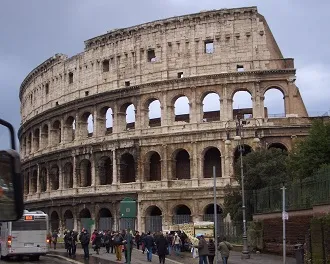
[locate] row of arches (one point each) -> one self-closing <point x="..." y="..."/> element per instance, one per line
<point x="104" y="219"/>
<point x="82" y="125"/>
<point x="63" y="176"/>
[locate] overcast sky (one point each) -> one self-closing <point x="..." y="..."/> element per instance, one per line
<point x="32" y="31"/>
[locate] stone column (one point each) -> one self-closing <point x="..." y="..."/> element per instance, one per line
<point x="194" y="165"/>
<point x="114" y="168"/>
<point x="48" y="178"/>
<point x="74" y="173"/>
<point x="164" y="163"/>
<point x="227" y="161"/>
<point x="60" y="175"/>
<point x="93" y="169"/>
<point x="30" y="181"/>
<point x="257" y="102"/>
<point x="38" y="178"/>
<point x="170" y="115"/>
<point x="164" y="110"/>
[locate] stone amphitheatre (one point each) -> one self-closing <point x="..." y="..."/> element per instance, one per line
<point x="80" y="155"/>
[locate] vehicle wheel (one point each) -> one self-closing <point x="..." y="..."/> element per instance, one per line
<point x="34" y="258"/>
<point x="4" y="257"/>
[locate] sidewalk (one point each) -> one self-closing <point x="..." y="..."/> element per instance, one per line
<point x="186" y="258"/>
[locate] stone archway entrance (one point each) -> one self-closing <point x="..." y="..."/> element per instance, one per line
<point x="182" y="214"/>
<point x="105" y="219"/>
<point x="209" y="216"/>
<point x="154" y="219"/>
<point x="54" y="221"/>
<point x="85" y="219"/>
<point x="68" y="218"/>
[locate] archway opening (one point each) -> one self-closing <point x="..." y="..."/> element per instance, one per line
<point x="154" y="113"/>
<point x="105" y="171"/>
<point x="54" y="178"/>
<point x="182" y="214"/>
<point x="182" y="165"/>
<point x="26" y="183"/>
<point x="155" y="167"/>
<point x="54" y="221"/>
<point x="56" y="132"/>
<point x="36" y="139"/>
<point x="85" y="173"/>
<point x="153" y="219"/>
<point x="68" y="220"/>
<point x="43" y="180"/>
<point x="209" y="216"/>
<point x="242" y="105"/>
<point x="44" y="136"/>
<point x="212" y="157"/>
<point x="85" y="219"/>
<point x="68" y="175"/>
<point x="211" y="107"/>
<point x="109" y="121"/>
<point x="69" y="132"/>
<point x="130" y="117"/>
<point x="245" y="149"/>
<point x="34" y="181"/>
<point x="274" y="103"/>
<point x="127" y="168"/>
<point x="182" y="109"/>
<point x="280" y="146"/>
<point x="86" y="125"/>
<point x="29" y="143"/>
<point x="105" y="219"/>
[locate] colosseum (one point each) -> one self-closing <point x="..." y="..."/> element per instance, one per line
<point x="88" y="139"/>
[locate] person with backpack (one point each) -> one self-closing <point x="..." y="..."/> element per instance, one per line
<point x="211" y="254"/>
<point x="118" y="243"/>
<point x="74" y="242"/>
<point x="84" y="240"/>
<point x="68" y="242"/>
<point x="224" y="248"/>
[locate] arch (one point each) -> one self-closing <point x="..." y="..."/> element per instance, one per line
<point x="34" y="179"/>
<point x="36" y="139"/>
<point x="69" y="129"/>
<point x="87" y="124"/>
<point x="54" y="178"/>
<point x="211" y="107"/>
<point x="209" y="209"/>
<point x="43" y="179"/>
<point x="154" y="167"/>
<point x="54" y="221"/>
<point x="182" y="165"/>
<point x="153" y="211"/>
<point x="246" y="149"/>
<point x="68" y="175"/>
<point x="106" y="119"/>
<point x="85" y="175"/>
<point x="280" y="146"/>
<point x="105" y="171"/>
<point x="44" y="136"/>
<point x="212" y="157"/>
<point x="56" y="132"/>
<point x="68" y="220"/>
<point x="85" y="213"/>
<point x="242" y="104"/>
<point x="154" y="112"/>
<point x="154" y="219"/>
<point x="182" y="109"/>
<point x="105" y="219"/>
<point x="130" y="116"/>
<point x="127" y="168"/>
<point x="274" y="102"/>
<point x="181" y="214"/>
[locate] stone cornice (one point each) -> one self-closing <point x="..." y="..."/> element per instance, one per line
<point x="137" y="90"/>
<point x="116" y="34"/>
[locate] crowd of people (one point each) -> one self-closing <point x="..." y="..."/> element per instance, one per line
<point x="122" y="243"/>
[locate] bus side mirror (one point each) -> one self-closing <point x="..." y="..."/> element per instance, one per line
<point x="11" y="193"/>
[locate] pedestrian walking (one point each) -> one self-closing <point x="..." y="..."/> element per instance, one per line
<point x="54" y="238"/>
<point x="149" y="245"/>
<point x="203" y="250"/>
<point x="118" y="243"/>
<point x="224" y="248"/>
<point x="162" y="248"/>
<point x="211" y="247"/>
<point x="176" y="243"/>
<point x="84" y="240"/>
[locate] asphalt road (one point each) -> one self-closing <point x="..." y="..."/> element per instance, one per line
<point x="43" y="260"/>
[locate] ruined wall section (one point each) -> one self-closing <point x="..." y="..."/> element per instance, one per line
<point x="178" y="45"/>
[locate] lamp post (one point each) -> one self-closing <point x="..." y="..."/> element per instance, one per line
<point x="238" y="137"/>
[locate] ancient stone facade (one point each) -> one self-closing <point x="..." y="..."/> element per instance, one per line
<point x="81" y="157"/>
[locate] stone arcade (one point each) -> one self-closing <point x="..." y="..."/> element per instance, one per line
<point x="81" y="157"/>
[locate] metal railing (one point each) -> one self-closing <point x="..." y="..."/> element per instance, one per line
<point x="302" y="194"/>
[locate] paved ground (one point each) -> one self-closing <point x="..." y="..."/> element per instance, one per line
<point x="186" y="258"/>
<point x="43" y="260"/>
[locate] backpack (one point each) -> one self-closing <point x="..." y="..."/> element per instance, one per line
<point x="84" y="239"/>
